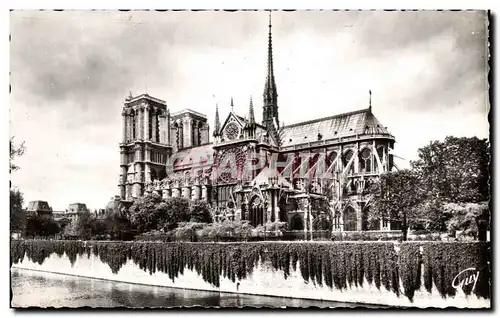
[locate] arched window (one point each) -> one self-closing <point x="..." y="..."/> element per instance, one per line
<point x="336" y="221"/>
<point x="365" y="161"/>
<point x="150" y="125"/>
<point x="133" y="124"/>
<point x="180" y="136"/>
<point x="380" y="153"/>
<point x="330" y="158"/>
<point x="345" y="161"/>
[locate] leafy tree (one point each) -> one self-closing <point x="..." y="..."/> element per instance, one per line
<point x="70" y="229"/>
<point x="41" y="225"/>
<point x="471" y="218"/>
<point x="117" y="226"/>
<point x="116" y="223"/>
<point x="17" y="213"/>
<point x="455" y="170"/>
<point x="436" y="217"/>
<point x="100" y="228"/>
<point x="143" y="214"/>
<point x="173" y="211"/>
<point x="398" y="196"/>
<point x="16" y="150"/>
<point x="84" y="225"/>
<point x="199" y="211"/>
<point x="150" y="212"/>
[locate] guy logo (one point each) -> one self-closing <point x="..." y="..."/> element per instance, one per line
<point x="465" y="278"/>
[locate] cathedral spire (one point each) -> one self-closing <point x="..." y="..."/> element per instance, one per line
<point x="217" y="121"/>
<point x="270" y="111"/>
<point x="251" y="115"/>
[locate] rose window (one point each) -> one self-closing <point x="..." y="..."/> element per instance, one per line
<point x="232" y="131"/>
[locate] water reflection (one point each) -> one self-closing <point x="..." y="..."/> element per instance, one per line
<point x="39" y="289"/>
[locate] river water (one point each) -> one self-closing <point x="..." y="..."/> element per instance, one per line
<point x="42" y="289"/>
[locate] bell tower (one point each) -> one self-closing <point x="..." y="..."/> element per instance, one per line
<point x="145" y="145"/>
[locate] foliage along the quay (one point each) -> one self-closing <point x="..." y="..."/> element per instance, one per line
<point x="336" y="265"/>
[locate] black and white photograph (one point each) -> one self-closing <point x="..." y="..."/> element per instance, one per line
<point x="250" y="158"/>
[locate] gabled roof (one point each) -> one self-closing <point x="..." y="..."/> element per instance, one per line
<point x="266" y="173"/>
<point x="240" y="120"/>
<point x="193" y="157"/>
<point x="360" y="122"/>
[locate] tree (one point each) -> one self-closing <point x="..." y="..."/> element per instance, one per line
<point x="41" y="225"/>
<point x="117" y="226"/>
<point x="116" y="221"/>
<point x="143" y="213"/>
<point x="17" y="213"/>
<point x="15" y="151"/>
<point x="471" y="218"/>
<point x="70" y="230"/>
<point x="150" y="212"/>
<point x="173" y="211"/>
<point x="436" y="216"/>
<point x="455" y="170"/>
<point x="84" y="225"/>
<point x="398" y="196"/>
<point x="199" y="212"/>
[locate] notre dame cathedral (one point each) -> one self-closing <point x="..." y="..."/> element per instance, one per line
<point x="258" y="171"/>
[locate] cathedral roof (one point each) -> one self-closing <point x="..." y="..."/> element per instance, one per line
<point x="193" y="157"/>
<point x="268" y="173"/>
<point x="356" y="123"/>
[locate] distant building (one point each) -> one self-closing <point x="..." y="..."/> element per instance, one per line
<point x="39" y="207"/>
<point x="71" y="212"/>
<point x="77" y="208"/>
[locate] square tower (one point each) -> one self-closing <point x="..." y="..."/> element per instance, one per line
<point x="145" y="145"/>
<point x="188" y="129"/>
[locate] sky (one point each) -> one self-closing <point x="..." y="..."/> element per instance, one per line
<point x="71" y="71"/>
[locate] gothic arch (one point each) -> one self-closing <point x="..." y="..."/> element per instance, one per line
<point x="134" y="123"/>
<point x="330" y="157"/>
<point x="346" y="157"/>
<point x="365" y="160"/>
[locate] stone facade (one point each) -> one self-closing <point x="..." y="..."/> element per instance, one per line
<point x="261" y="172"/>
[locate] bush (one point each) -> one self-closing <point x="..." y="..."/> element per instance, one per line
<point x="227" y="230"/>
<point x="187" y="231"/>
<point x="367" y="236"/>
<point x="199" y="212"/>
<point x="155" y="236"/>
